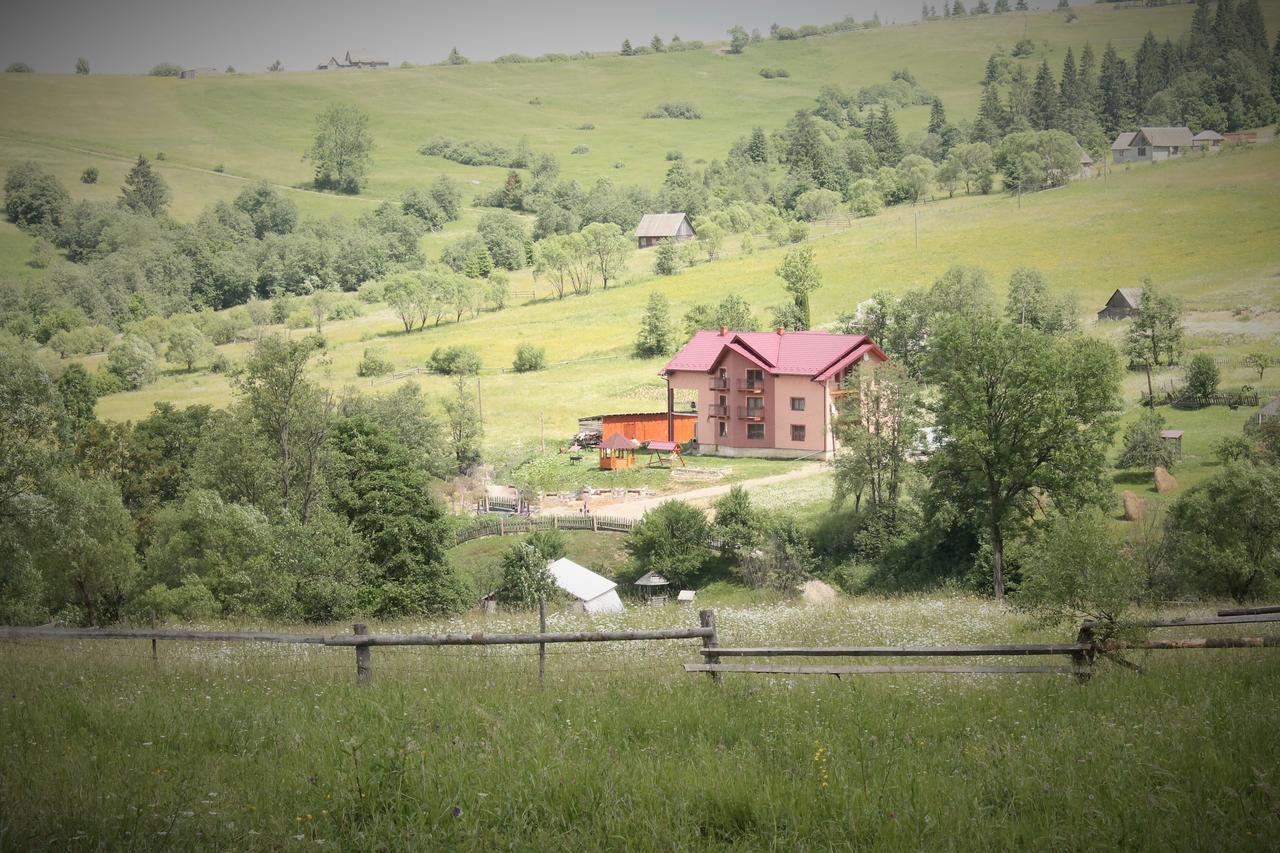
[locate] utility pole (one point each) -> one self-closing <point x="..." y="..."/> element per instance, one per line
<point x="917" y="230"/>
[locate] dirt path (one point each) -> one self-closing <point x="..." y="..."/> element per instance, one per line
<point x="698" y="497"/>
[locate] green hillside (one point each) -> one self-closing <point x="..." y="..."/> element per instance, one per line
<point x="1214" y="247"/>
<point x="257" y="126"/>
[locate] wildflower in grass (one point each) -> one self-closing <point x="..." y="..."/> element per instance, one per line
<point x="456" y="811"/>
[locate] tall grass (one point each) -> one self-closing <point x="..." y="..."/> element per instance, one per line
<point x="261" y="748"/>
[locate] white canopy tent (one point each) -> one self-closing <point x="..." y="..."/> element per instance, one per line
<point x="597" y="593"/>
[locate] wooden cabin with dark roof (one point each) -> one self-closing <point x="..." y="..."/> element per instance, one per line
<point x="656" y="227"/>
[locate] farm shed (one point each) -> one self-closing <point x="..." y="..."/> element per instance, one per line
<point x="1209" y="140"/>
<point x="656" y="227"/>
<point x="1123" y="303"/>
<point x="594" y="593"/>
<point x="1152" y="143"/>
<point x="641" y="426"/>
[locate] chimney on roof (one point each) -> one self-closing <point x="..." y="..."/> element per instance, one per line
<point x="781" y="330"/>
<point x="724" y="330"/>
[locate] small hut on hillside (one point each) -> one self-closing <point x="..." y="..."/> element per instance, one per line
<point x="1208" y="140"/>
<point x="1123" y="303"/>
<point x="653" y="587"/>
<point x="594" y="593"/>
<point x="656" y="227"/>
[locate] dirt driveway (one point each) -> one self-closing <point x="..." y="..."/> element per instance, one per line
<point x="637" y="507"/>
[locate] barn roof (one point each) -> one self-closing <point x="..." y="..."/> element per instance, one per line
<point x="661" y="224"/>
<point x="1208" y="136"/>
<point x="1167" y="137"/>
<point x="1132" y="295"/>
<point x="579" y="581"/>
<point x="652" y="579"/>
<point x="1123" y="141"/>
<point x="814" y="354"/>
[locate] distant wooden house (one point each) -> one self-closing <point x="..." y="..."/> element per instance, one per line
<point x="1240" y="137"/>
<point x="1208" y="140"/>
<point x="350" y="62"/>
<point x="642" y="426"/>
<point x="1148" y="144"/>
<point x="656" y="227"/>
<point x="1123" y="303"/>
<point x="193" y="73"/>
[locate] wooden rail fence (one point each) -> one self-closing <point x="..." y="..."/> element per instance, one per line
<point x="1082" y="652"/>
<point x="363" y="642"/>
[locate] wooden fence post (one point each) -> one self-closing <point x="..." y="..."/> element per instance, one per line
<point x="595" y="528"/>
<point x="542" y="647"/>
<point x="1084" y="659"/>
<point x="364" y="656"/>
<point x="154" y="657"/>
<point x="707" y="618"/>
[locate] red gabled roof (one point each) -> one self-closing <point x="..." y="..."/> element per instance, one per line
<point x="815" y="354"/>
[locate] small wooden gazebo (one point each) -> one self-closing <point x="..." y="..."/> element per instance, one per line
<point x="1173" y="436"/>
<point x="653" y="587"/>
<point x="617" y="451"/>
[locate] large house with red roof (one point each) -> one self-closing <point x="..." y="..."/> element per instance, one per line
<point x="768" y="393"/>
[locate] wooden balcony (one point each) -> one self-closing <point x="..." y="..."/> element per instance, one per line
<point x="717" y="411"/>
<point x="751" y="413"/>
<point x="719" y="383"/>
<point x="754" y="386"/>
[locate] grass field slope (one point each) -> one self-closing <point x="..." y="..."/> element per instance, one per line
<point x="257" y="125"/>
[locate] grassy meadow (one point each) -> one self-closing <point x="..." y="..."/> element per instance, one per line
<point x="257" y="125"/>
<point x="264" y="747"/>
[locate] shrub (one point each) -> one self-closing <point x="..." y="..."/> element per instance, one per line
<point x="475" y="152"/>
<point x="220" y="363"/>
<point x="1203" y="375"/>
<point x="619" y="165"/>
<point x="672" y="541"/>
<point x="345" y="309"/>
<point x="797" y="232"/>
<point x="374" y="363"/>
<point x="1224" y="534"/>
<point x="1024" y="47"/>
<point x="675" y="109"/>
<point x="773" y="73"/>
<point x="526" y="579"/>
<point x="220" y="168"/>
<point x="89" y="175"/>
<point x="160" y="155"/>
<point x="19" y="68"/>
<point x="580" y="149"/>
<point x="586" y="126"/>
<point x="371" y="292"/>
<point x="133" y="362"/>
<point x="1143" y="446"/>
<point x="784" y="559"/>
<point x="529" y="358"/>
<point x="674" y="155"/>
<point x="454" y="361"/>
<point x="1076" y="568"/>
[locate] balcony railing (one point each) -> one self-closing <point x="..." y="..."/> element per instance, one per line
<point x="717" y="411"/>
<point x="751" y="385"/>
<point x="719" y="383"/>
<point x="751" y="413"/>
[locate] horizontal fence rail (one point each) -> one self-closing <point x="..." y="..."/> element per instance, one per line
<point x="1082" y="652"/>
<point x="515" y="525"/>
<point x="363" y="642"/>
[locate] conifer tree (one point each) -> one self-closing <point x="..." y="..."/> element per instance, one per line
<point x="991" y="122"/>
<point x="1021" y="5"/>
<point x="887" y="142"/>
<point x="993" y="71"/>
<point x="1001" y="7"/>
<point x="1116" y="84"/>
<point x="1069" y="88"/>
<point x="626" y="47"/>
<point x="1201" y="43"/>
<point x="1275" y="70"/>
<point x="758" y="146"/>
<point x="1087" y="80"/>
<point x="1253" y="31"/>
<point x="1226" y="28"/>
<point x="1044" y="99"/>
<point x="144" y="191"/>
<point x="937" y="117"/>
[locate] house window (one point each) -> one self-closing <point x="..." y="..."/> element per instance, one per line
<point x="755" y="378"/>
<point x="1142" y="152"/>
<point x="797" y="404"/>
<point x="797" y="432"/>
<point x="723" y="429"/>
<point x="755" y="405"/>
<point x="755" y="431"/>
